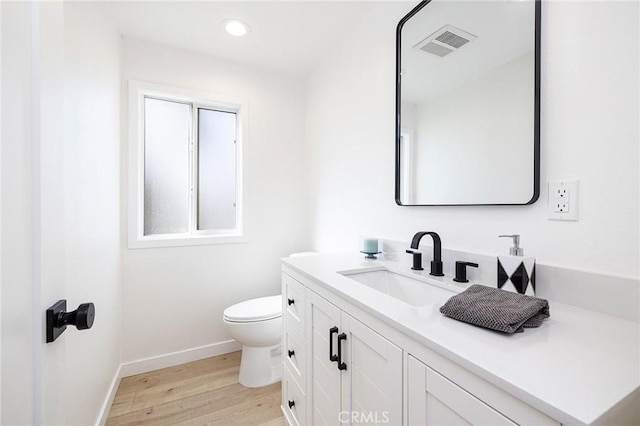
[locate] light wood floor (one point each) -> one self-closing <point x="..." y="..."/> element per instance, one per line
<point x="203" y="392"/>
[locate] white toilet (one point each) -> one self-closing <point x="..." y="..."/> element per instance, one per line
<point x="257" y="325"/>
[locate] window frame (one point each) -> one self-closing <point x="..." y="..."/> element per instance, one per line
<point x="138" y="91"/>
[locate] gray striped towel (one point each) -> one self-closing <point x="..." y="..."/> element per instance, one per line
<point x="497" y="309"/>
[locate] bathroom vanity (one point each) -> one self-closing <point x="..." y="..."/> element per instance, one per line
<point x="364" y="343"/>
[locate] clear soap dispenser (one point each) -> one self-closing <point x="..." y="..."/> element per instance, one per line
<point x="517" y="272"/>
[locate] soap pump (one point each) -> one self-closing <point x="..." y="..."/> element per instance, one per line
<point x="516" y="272"/>
<point x="516" y="250"/>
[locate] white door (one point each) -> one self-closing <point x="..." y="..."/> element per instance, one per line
<point x="60" y="209"/>
<point x="32" y="210"/>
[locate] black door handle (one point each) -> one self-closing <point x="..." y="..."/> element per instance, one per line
<point x="341" y="365"/>
<point x="58" y="319"/>
<point x="332" y="357"/>
<point x="290" y="301"/>
<point x="291" y="404"/>
<point x="291" y="353"/>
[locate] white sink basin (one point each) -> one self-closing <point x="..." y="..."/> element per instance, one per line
<point x="413" y="289"/>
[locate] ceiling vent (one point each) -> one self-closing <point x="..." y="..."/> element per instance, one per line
<point x="446" y="40"/>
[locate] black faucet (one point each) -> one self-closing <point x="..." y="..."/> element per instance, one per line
<point x="436" y="263"/>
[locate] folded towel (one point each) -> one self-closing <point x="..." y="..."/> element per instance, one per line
<point x="496" y="309"/>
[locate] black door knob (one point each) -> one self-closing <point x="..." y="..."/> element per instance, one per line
<point x="58" y="319"/>
<point x="290" y="302"/>
<point x="292" y="404"/>
<point x="82" y="317"/>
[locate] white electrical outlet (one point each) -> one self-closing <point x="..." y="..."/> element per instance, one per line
<point x="561" y="207"/>
<point x="561" y="192"/>
<point x="563" y="200"/>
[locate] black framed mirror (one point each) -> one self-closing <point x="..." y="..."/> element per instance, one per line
<point x="468" y="103"/>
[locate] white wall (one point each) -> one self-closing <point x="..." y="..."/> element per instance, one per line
<point x="589" y="132"/>
<point x="173" y="297"/>
<point x="92" y="205"/>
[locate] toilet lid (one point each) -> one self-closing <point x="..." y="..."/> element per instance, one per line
<point x="260" y="309"/>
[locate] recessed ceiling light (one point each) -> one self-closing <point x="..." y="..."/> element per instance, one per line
<point x="235" y="27"/>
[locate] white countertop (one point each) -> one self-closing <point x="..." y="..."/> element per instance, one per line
<point x="578" y="364"/>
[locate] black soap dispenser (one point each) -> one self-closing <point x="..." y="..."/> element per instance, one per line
<point x="517" y="272"/>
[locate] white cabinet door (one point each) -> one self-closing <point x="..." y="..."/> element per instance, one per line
<point x="372" y="380"/>
<point x="323" y="375"/>
<point x="355" y="374"/>
<point x="416" y="392"/>
<point x="432" y="399"/>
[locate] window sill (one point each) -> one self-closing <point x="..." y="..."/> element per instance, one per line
<point x="158" y="241"/>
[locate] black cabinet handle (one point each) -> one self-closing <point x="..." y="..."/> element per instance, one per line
<point x="341" y="365"/>
<point x="332" y="356"/>
<point x="290" y="301"/>
<point x="291" y="353"/>
<point x="291" y="404"/>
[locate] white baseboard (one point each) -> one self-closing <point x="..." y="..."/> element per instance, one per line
<point x="176" y="358"/>
<point x="106" y="405"/>
<point x="162" y="361"/>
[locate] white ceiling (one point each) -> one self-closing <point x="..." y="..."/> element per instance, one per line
<point x="290" y="36"/>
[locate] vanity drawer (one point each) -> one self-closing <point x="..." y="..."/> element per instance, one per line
<point x="295" y="355"/>
<point x="293" y="304"/>
<point x="294" y="403"/>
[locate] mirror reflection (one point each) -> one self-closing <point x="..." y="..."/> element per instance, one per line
<point x="467" y="130"/>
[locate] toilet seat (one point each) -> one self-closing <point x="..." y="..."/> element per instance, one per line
<point x="254" y="310"/>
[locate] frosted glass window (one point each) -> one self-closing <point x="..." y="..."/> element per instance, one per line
<point x="216" y="169"/>
<point x="166" y="166"/>
<point x="186" y="169"/>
